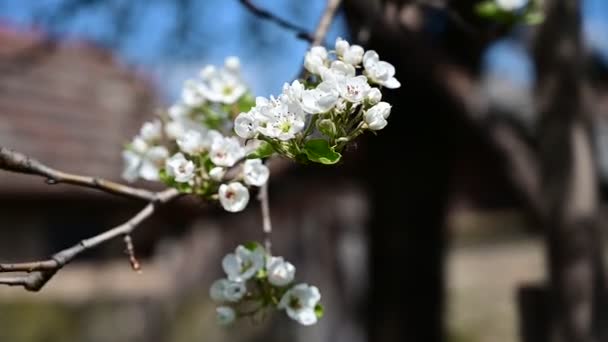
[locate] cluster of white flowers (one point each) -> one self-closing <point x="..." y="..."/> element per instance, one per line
<point x="341" y="97"/>
<point x="192" y="148"/>
<point x="254" y="277"/>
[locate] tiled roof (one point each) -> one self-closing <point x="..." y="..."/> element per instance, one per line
<point x="71" y="106"/>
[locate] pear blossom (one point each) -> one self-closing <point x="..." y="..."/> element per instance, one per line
<point x="180" y="168"/>
<point x="145" y="164"/>
<point x="243" y="264"/>
<point x="191" y="142"/>
<point x="232" y="64"/>
<point x="351" y="54"/>
<point x="151" y="131"/>
<point x="223" y="85"/>
<point x="283" y="119"/>
<point x="139" y="145"/>
<point x="376" y="116"/>
<point x="255" y="172"/>
<point x="378" y="71"/>
<point x="373" y="96"/>
<point x="233" y="197"/>
<point x="300" y="302"/>
<point x="224" y="290"/>
<point x="225" y="315"/>
<point x="280" y="272"/>
<point x="245" y="125"/>
<point x="315" y="59"/>
<point x="234" y="291"/>
<point x="511" y="5"/>
<point x="217" y="173"/>
<point x="293" y="91"/>
<point x="354" y="89"/>
<point x="320" y="99"/>
<point x="178" y="111"/>
<point x="174" y="130"/>
<point x="226" y="151"/>
<point x="191" y="96"/>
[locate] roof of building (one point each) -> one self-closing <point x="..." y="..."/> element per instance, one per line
<point x="71" y="105"/>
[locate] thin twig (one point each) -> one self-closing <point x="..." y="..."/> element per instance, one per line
<point x="17" y="162"/>
<point x="300" y="32"/>
<point x="40" y="272"/>
<point x="325" y="22"/>
<point x="266" y="220"/>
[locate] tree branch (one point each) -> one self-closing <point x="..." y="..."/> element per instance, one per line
<point x="300" y="32"/>
<point x="40" y="272"/>
<point x="326" y="19"/>
<point x="266" y="220"/>
<point x="17" y="162"/>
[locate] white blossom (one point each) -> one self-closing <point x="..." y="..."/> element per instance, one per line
<point x="232" y="64"/>
<point x="225" y="315"/>
<point x="378" y="71"/>
<point x="191" y="96"/>
<point x="143" y="162"/>
<point x="243" y="264"/>
<point x="224" y="290"/>
<point x="300" y="302"/>
<point x="354" y="89"/>
<point x="351" y="54"/>
<point x="280" y="272"/>
<point x="293" y="91"/>
<point x="320" y="99"/>
<point x="376" y="116"/>
<point x="180" y="168"/>
<point x="151" y="131"/>
<point x="233" y="197"/>
<point x="178" y="111"/>
<point x="315" y="59"/>
<point x="223" y="85"/>
<point x="511" y="5"/>
<point x="246" y="125"/>
<point x="373" y="96"/>
<point x="281" y="118"/>
<point x="217" y="173"/>
<point x="174" y="130"/>
<point x="226" y="151"/>
<point x="255" y="172"/>
<point x="191" y="142"/>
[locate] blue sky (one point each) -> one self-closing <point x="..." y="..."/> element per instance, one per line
<point x="220" y="28"/>
<point x="270" y="55"/>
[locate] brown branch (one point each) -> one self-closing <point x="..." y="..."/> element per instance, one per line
<point x="325" y="22"/>
<point x="40" y="272"/>
<point x="265" y="210"/>
<point x="17" y="162"/>
<point x="300" y="32"/>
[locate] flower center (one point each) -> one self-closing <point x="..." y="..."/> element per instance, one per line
<point x="352" y="90"/>
<point x="227" y="90"/>
<point x="294" y="303"/>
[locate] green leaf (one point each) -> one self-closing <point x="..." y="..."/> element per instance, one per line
<point x="534" y="17"/>
<point x="319" y="151"/>
<point x="246" y="102"/>
<point x="319" y="310"/>
<point x="488" y="8"/>
<point x="253" y="245"/>
<point x="264" y="151"/>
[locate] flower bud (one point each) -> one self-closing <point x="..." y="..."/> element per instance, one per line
<point x="327" y="127"/>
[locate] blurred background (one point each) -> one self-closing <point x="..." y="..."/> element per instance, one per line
<point x="476" y="215"/>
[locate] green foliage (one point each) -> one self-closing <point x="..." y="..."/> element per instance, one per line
<point x="531" y="14"/>
<point x="264" y="151"/>
<point x="319" y="151"/>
